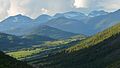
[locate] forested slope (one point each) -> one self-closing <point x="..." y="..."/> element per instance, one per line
<point x="9" y="62"/>
<point x="98" y="51"/>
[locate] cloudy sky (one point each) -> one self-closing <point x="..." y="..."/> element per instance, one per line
<point x="33" y="8"/>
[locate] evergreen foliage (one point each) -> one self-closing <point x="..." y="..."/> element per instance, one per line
<point x="9" y="62"/>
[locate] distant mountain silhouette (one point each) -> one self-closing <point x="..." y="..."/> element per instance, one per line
<point x="87" y="25"/>
<point x="74" y="22"/>
<point x="42" y="19"/>
<point x="71" y="15"/>
<point x="97" y="13"/>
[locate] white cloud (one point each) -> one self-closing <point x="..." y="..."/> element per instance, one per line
<point x="17" y="7"/>
<point x="34" y="8"/>
<point x="44" y="10"/>
<point x="80" y="3"/>
<point x="4" y="7"/>
<point x="111" y="5"/>
<point x="108" y="5"/>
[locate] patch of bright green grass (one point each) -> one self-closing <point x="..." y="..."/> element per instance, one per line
<point x="25" y="53"/>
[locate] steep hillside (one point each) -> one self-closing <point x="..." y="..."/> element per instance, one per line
<point x="11" y="42"/>
<point x="99" y="23"/>
<point x="22" y="25"/>
<point x="51" y="32"/>
<point x="101" y="36"/>
<point x="66" y="24"/>
<point x="9" y="62"/>
<point x="98" y="51"/>
<point x="18" y="21"/>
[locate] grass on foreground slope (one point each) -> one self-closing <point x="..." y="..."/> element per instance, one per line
<point x="99" y="51"/>
<point x="24" y="53"/>
<point x="95" y="39"/>
<point x="9" y="62"/>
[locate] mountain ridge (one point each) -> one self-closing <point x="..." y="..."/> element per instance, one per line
<point x="88" y="25"/>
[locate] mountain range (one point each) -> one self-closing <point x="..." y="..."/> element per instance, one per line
<point x="87" y="25"/>
<point x="74" y="22"/>
<point x="23" y="26"/>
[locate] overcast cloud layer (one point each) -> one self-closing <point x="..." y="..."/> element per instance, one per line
<point x="34" y="8"/>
